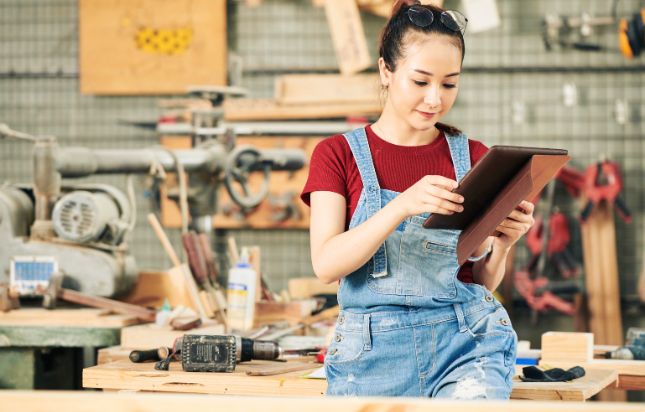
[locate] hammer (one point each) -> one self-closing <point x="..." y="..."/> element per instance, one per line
<point x="55" y="291"/>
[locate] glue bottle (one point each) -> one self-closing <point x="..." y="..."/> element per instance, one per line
<point x="241" y="293"/>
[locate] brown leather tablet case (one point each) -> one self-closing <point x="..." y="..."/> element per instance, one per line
<point x="504" y="177"/>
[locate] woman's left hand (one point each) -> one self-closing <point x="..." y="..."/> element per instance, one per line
<point x="514" y="226"/>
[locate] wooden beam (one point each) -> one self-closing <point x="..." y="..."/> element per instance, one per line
<point x="601" y="275"/>
<point x="348" y="36"/>
<point x="327" y="89"/>
<point x="269" y="109"/>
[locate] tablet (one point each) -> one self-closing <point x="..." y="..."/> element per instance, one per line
<point x="485" y="181"/>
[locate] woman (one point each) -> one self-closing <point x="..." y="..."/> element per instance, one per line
<point x="412" y="321"/>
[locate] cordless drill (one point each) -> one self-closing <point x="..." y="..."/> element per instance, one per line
<point x="216" y="353"/>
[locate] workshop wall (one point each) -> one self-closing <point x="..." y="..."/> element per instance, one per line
<point x="511" y="93"/>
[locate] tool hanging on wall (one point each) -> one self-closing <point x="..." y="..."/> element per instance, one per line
<point x="603" y="183"/>
<point x="575" y="32"/>
<point x="631" y="34"/>
<point x="549" y="242"/>
<point x="572" y="32"/>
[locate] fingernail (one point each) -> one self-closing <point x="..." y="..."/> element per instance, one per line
<point x="461" y="199"/>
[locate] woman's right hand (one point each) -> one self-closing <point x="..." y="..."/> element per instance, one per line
<point x="432" y="193"/>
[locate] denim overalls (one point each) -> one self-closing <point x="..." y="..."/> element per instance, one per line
<point x="407" y="325"/>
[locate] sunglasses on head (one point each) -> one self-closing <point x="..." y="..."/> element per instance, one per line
<point x="424" y="17"/>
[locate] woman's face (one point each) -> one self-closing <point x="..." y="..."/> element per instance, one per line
<point x="424" y="85"/>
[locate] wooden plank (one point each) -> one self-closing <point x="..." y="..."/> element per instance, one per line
<point x="82" y="401"/>
<point x="306" y="287"/>
<point x="113" y="354"/>
<point x="269" y="109"/>
<point x="567" y="346"/>
<point x="274" y="312"/>
<point x="580" y="389"/>
<point x="153" y="288"/>
<point x="152" y="336"/>
<point x="623" y="367"/>
<point x="348" y="36"/>
<point x="611" y="288"/>
<point x="112" y="305"/>
<point x="327" y="89"/>
<point x="151" y="47"/>
<point x="383" y="8"/>
<point x="142" y="376"/>
<point x="84" y="317"/>
<point x="601" y="275"/>
<point x="631" y="382"/>
<point x="641" y="280"/>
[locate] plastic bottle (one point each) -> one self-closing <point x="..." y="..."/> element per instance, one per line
<point x="241" y="293"/>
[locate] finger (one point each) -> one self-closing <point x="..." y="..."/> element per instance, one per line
<point x="520" y="217"/>
<point x="512" y="233"/>
<point x="441" y="211"/>
<point x="511" y="224"/>
<point x="445" y="194"/>
<point x="442" y="181"/>
<point x="444" y="204"/>
<point x="527" y="206"/>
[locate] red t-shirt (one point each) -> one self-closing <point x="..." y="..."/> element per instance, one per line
<point x="333" y="169"/>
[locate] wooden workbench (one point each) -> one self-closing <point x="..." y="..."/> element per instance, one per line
<point x="44" y="401"/>
<point x="39" y="347"/>
<point x="124" y="375"/>
<point x="567" y="349"/>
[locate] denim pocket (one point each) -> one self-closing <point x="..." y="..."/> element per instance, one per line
<point x="494" y="333"/>
<point x="345" y="347"/>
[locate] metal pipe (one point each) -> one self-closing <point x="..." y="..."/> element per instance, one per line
<point x="46" y="178"/>
<point x="78" y="161"/>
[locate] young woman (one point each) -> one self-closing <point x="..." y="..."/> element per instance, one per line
<point x="412" y="321"/>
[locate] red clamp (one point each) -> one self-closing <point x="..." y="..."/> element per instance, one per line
<point x="604" y="183"/>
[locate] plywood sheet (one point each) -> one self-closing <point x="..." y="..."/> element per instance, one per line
<point x="151" y="46"/>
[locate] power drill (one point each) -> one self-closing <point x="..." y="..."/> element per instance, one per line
<point x="216" y="353"/>
<point x="634" y="348"/>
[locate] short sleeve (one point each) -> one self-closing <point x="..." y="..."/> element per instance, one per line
<point x="328" y="168"/>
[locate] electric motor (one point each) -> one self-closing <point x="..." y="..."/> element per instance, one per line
<point x="82" y="216"/>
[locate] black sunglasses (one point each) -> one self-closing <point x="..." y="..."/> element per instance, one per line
<point x="424" y="17"/>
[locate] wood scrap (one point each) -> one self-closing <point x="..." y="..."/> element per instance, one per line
<point x="348" y="36"/>
<point x="280" y="368"/>
<point x="567" y="346"/>
<point x="269" y="109"/>
<point x="601" y="275"/>
<point x="298" y="89"/>
<point x="188" y="278"/>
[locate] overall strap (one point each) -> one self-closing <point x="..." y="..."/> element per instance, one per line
<point x="460" y="153"/>
<point x="357" y="140"/>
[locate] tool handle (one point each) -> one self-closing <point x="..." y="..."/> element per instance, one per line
<point x="188" y="277"/>
<point x="163" y="238"/>
<point x="623" y="210"/>
<point x="196" y="260"/>
<point x="209" y="256"/>
<point x="106" y="303"/>
<point x="138" y="356"/>
<point x="584" y="215"/>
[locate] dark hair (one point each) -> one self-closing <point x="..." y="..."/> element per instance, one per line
<point x="392" y="46"/>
